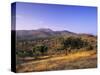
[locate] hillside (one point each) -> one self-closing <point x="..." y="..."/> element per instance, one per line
<point x="41" y="33"/>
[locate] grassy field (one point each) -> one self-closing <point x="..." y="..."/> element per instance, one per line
<point x="79" y="60"/>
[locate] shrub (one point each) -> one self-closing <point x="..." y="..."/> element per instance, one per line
<point x="21" y="53"/>
<point x="89" y="47"/>
<point x="39" y="50"/>
<point x="74" y="43"/>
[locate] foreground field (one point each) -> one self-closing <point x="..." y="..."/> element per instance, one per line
<point x="79" y="60"/>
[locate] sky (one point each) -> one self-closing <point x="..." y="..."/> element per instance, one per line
<point x="79" y="19"/>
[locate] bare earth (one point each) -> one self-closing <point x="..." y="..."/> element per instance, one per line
<point x="79" y="60"/>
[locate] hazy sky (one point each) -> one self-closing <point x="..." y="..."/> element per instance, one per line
<point x="78" y="19"/>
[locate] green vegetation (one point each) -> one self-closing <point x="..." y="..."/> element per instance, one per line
<point x="39" y="50"/>
<point x="21" y="53"/>
<point x="55" y="46"/>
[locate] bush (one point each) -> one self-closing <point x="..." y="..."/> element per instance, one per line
<point x="23" y="53"/>
<point x="39" y="50"/>
<point x="74" y="43"/>
<point x="89" y="47"/>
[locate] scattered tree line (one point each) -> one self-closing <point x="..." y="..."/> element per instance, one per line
<point x="58" y="44"/>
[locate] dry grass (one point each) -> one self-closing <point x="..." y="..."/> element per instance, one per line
<point x="79" y="60"/>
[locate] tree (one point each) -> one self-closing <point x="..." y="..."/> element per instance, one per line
<point x="43" y="49"/>
<point x="73" y="43"/>
<point x="39" y="50"/>
<point x="21" y="53"/>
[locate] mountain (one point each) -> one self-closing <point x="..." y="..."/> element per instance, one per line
<point x="45" y="30"/>
<point x="41" y="33"/>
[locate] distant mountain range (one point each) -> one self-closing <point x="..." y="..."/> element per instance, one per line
<point x="41" y="33"/>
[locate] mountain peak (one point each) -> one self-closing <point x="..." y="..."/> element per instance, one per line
<point x="45" y="29"/>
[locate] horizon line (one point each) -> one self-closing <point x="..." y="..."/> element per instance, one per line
<point x="56" y="30"/>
